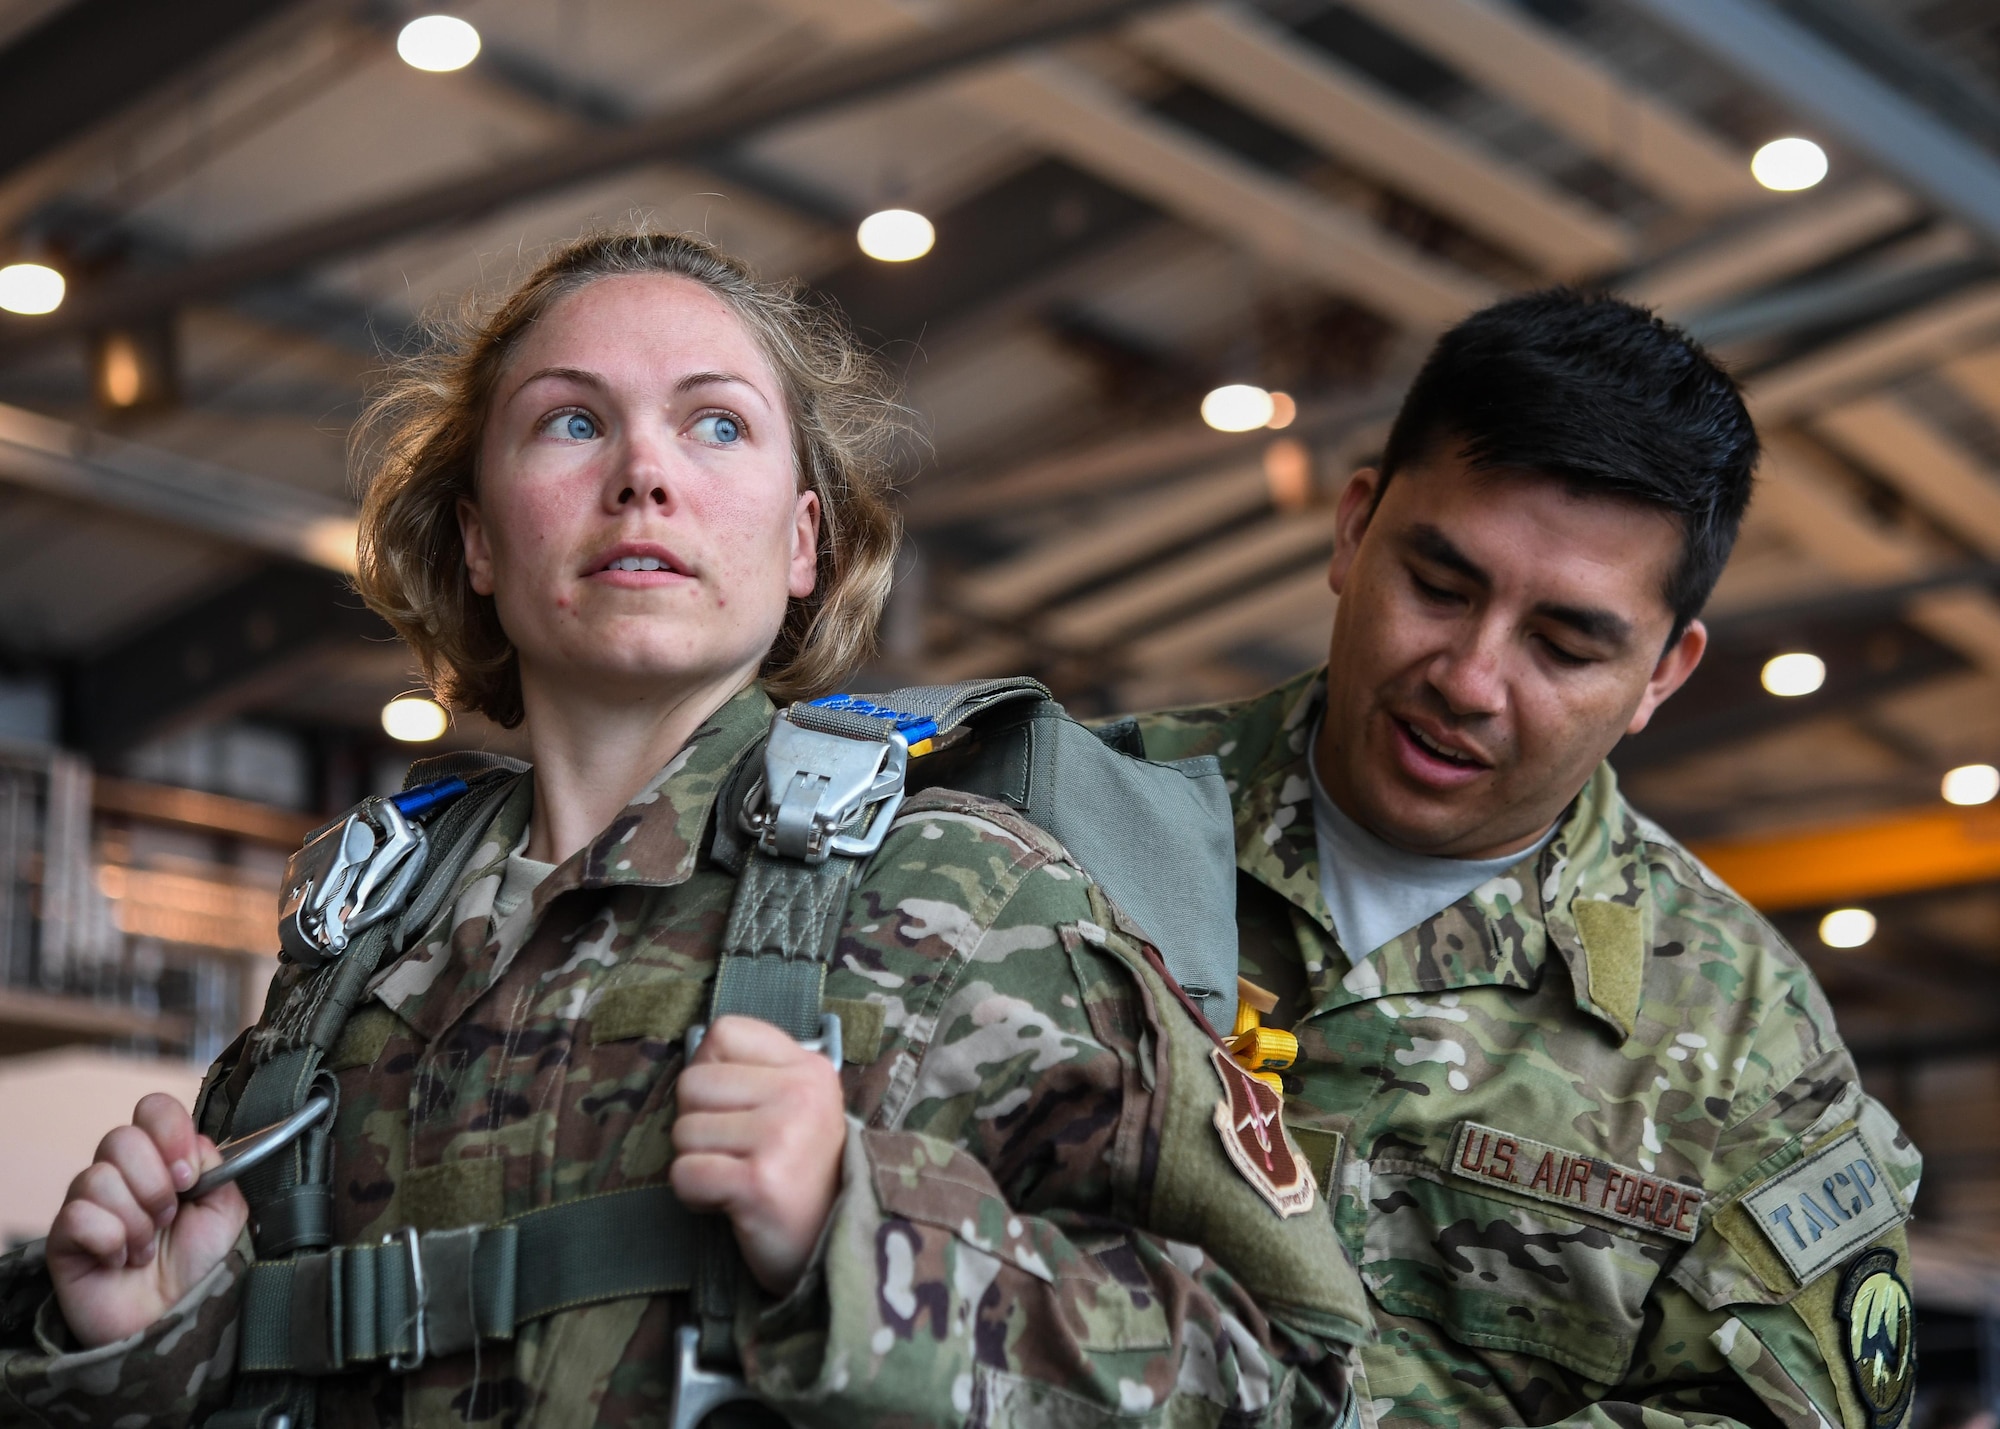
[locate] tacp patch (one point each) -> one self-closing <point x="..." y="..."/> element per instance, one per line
<point x="1250" y="1118"/>
<point x="1820" y="1210"/>
<point x="1570" y="1178"/>
<point x="1879" y="1336"/>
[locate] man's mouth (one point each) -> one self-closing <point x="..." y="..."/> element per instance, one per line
<point x="1458" y="758"/>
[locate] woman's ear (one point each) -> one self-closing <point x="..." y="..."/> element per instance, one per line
<point x="804" y="574"/>
<point x="478" y="551"/>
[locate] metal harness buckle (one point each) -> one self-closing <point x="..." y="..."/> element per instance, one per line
<point x="823" y="794"/>
<point x="357" y="873"/>
<point x="403" y="1364"/>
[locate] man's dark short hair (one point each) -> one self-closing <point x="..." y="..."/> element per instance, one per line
<point x="1603" y="395"/>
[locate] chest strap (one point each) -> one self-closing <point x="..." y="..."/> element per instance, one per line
<point x="415" y="1295"/>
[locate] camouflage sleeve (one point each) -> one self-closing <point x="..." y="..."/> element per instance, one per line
<point x="982" y="1261"/>
<point x="174" y="1373"/>
<point x="1792" y="1307"/>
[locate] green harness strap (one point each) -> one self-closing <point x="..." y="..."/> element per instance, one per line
<point x="416" y="1296"/>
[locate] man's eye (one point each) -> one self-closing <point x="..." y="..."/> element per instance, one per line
<point x="1564" y="657"/>
<point x="1429" y="591"/>
<point x="571" y="426"/>
<point x="718" y="429"/>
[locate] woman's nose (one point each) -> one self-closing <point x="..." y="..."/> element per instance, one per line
<point x="642" y="477"/>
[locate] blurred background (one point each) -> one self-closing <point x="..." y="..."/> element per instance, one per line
<point x="1154" y="276"/>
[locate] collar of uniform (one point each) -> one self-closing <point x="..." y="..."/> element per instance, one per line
<point x="1275" y="843"/>
<point x="655" y="841"/>
<point x="1597" y="902"/>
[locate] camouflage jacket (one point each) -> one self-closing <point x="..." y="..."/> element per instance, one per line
<point x="1014" y="1111"/>
<point x="1598" y="1147"/>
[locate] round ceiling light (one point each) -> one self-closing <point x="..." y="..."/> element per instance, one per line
<point x="1788" y="165"/>
<point x="438" y="43"/>
<point x="895" y="235"/>
<point x="1847" y="927"/>
<point x="1972" y="784"/>
<point x="414" y="719"/>
<point x="1794" y="674"/>
<point x="1239" y="407"/>
<point x="30" y="289"/>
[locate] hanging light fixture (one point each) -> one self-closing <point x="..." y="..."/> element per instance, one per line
<point x="30" y="289"/>
<point x="438" y="43"/>
<point x="895" y="235"/>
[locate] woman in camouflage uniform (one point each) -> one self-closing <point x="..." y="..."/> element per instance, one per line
<point x="632" y="506"/>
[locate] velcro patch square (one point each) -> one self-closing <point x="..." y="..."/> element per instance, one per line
<point x="1570" y="1178"/>
<point x="1822" y="1209"/>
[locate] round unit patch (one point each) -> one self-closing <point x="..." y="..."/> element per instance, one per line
<point x="1880" y="1336"/>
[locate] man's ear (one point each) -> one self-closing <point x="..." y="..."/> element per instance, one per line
<point x="1676" y="664"/>
<point x="1357" y="508"/>
<point x="478" y="550"/>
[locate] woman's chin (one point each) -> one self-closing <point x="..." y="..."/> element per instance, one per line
<point x="636" y="670"/>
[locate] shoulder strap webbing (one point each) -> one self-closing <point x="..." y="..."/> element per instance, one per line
<point x="290" y="1196"/>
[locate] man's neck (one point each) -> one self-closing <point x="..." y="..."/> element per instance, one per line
<point x="593" y="753"/>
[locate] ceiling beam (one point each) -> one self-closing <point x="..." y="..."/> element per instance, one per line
<point x="1775" y="244"/>
<point x="213" y="660"/>
<point x="1163" y="518"/>
<point x="93" y="57"/>
<point x="1504" y="51"/>
<point x="87" y="466"/>
<point x="1160" y="594"/>
<point x="1272" y="72"/>
<point x="691" y="130"/>
<point x="1948" y="482"/>
<point x="1285" y="609"/>
<point x="1783" y="57"/>
<point x="1902" y="853"/>
<point x="1064" y="108"/>
<point x="1877" y="354"/>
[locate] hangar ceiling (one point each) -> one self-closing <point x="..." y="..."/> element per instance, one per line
<point x="1134" y="201"/>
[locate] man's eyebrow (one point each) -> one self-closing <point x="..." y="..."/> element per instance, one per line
<point x="1590" y="621"/>
<point x="1434" y="546"/>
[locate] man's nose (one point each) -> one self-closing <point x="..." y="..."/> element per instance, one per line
<point x="1471" y="672"/>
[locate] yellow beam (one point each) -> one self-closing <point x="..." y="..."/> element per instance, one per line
<point x="1902" y="853"/>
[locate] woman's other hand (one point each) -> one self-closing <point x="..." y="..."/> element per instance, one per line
<point x="761" y="1124"/>
<point x="125" y="1248"/>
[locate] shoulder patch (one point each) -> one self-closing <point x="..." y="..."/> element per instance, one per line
<point x="1570" y="1178"/>
<point x="1822" y="1209"/>
<point x="1878" y="1334"/>
<point x="1250" y="1118"/>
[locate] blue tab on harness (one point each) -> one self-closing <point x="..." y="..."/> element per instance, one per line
<point x="415" y="803"/>
<point x="917" y="730"/>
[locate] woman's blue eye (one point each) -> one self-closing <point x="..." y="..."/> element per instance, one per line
<point x="571" y="426"/>
<point x="720" y="429"/>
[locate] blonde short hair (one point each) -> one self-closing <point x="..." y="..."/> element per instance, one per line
<point x="417" y="454"/>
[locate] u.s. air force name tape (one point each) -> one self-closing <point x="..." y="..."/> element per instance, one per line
<point x="1570" y="1178"/>
<point x="1819" y="1211"/>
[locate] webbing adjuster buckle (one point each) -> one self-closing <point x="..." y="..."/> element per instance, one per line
<point x="823" y="794"/>
<point x="419" y="1294"/>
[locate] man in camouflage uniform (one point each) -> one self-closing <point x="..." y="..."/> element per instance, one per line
<point x="1020" y="1095"/>
<point x="1584" y="1119"/>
